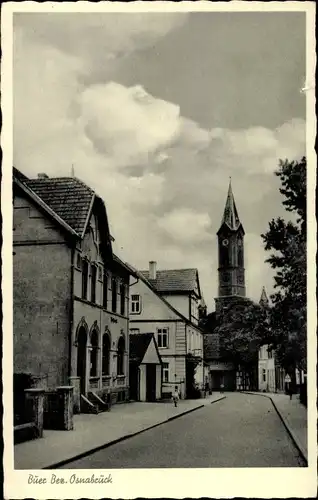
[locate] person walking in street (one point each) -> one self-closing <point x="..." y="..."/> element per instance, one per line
<point x="175" y="396"/>
<point x="222" y="388"/>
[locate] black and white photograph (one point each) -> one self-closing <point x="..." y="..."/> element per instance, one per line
<point x="160" y="249"/>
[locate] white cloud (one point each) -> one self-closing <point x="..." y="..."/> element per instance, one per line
<point x="184" y="225"/>
<point x="170" y="207"/>
<point x="127" y="124"/>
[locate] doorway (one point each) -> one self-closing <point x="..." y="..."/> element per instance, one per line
<point x="81" y="358"/>
<point x="151" y="382"/>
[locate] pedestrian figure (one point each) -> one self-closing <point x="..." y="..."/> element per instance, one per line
<point x="222" y="388"/>
<point x="175" y="396"/>
<point x="206" y="389"/>
<point x="290" y="392"/>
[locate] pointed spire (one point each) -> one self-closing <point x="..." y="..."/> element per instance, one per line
<point x="264" y="299"/>
<point x="230" y="215"/>
<point x="72" y="171"/>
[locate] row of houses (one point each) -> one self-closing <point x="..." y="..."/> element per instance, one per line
<point x="84" y="318"/>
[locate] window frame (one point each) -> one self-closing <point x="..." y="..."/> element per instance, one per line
<point x="85" y="275"/>
<point x="161" y="334"/>
<point x="134" y="303"/>
<point x="165" y="372"/>
<point x="107" y="371"/>
<point x="93" y="282"/>
<point x="122" y="294"/>
<point x="94" y="355"/>
<point x="114" y="294"/>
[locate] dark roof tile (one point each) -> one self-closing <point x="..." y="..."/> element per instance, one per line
<point x="138" y="345"/>
<point x="69" y="197"/>
<point x="173" y="280"/>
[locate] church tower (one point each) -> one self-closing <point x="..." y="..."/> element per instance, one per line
<point x="231" y="253"/>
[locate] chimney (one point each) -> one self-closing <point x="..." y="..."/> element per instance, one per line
<point x="43" y="176"/>
<point x="152" y="270"/>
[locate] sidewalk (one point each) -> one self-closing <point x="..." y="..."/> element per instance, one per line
<point x="92" y="432"/>
<point x="294" y="417"/>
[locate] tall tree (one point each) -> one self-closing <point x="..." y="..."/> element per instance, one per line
<point x="287" y="242"/>
<point x="242" y="329"/>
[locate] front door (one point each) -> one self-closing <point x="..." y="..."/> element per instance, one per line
<point x="151" y="382"/>
<point x="81" y="358"/>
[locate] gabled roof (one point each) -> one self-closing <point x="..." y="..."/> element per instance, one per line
<point x="174" y="280"/>
<point x="69" y="200"/>
<point x="148" y="283"/>
<point x="69" y="197"/>
<point x="230" y="215"/>
<point x="138" y="345"/>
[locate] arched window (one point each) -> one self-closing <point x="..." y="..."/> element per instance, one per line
<point x="120" y="356"/>
<point x="106" y="354"/>
<point x="94" y="352"/>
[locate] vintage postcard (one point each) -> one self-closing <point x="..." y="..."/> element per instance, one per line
<point x="159" y="241"/>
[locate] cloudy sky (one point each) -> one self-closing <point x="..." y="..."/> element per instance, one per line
<point x="155" y="112"/>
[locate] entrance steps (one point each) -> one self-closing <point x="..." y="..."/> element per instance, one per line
<point x="93" y="404"/>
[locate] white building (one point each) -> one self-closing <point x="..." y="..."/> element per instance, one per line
<point x="166" y="303"/>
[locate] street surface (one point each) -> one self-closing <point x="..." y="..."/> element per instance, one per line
<point x="239" y="431"/>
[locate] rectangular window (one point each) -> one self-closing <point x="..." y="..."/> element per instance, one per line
<point x="100" y="273"/>
<point x="264" y="375"/>
<point x="84" y="278"/>
<point x="122" y="299"/>
<point x="93" y="283"/>
<point x="165" y="372"/>
<point x="162" y="335"/>
<point x="135" y="304"/>
<point x="134" y="330"/>
<point x="114" y="295"/>
<point x="78" y="261"/>
<point x="105" y="289"/>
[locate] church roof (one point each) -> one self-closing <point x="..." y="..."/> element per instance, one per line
<point x="230" y="215"/>
<point x="264" y="299"/>
<point x="173" y="280"/>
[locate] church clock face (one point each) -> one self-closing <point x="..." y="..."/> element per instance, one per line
<point x="225" y="242"/>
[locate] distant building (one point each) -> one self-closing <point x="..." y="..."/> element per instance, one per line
<point x="145" y="368"/>
<point x="166" y="303"/>
<point x="70" y="292"/>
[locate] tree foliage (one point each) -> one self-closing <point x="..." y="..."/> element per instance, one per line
<point x="287" y="243"/>
<point x="243" y="328"/>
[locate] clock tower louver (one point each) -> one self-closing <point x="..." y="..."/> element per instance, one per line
<point x="230" y="253"/>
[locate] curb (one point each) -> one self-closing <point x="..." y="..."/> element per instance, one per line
<point x="289" y="430"/>
<point x="123" y="438"/>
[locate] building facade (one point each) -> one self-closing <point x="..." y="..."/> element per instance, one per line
<point x="70" y="292"/>
<point x="166" y="303"/>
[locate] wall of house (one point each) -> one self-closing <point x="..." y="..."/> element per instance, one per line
<point x="180" y="302"/>
<point x="158" y="381"/>
<point x="266" y="371"/>
<point x="142" y="383"/>
<point x="152" y="307"/>
<point x="96" y="314"/>
<point x="41" y="295"/>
